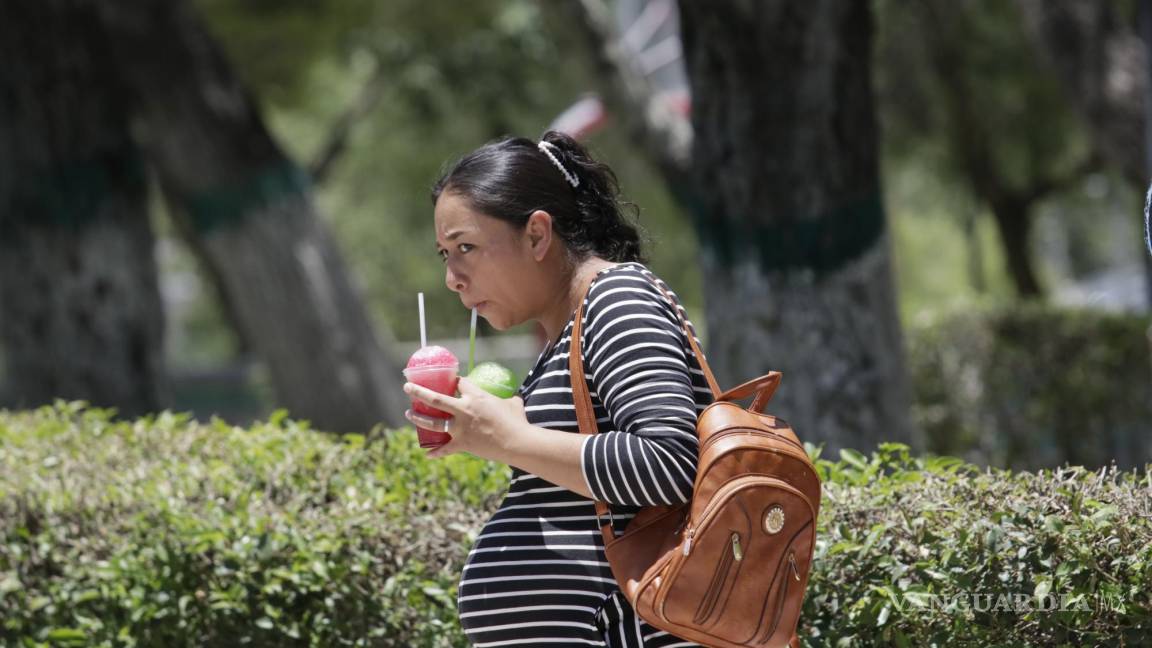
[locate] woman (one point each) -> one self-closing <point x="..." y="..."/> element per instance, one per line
<point x="524" y="228"/>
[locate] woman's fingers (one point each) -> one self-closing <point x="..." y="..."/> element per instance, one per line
<point x="427" y="422"/>
<point x="431" y="398"/>
<point x="467" y="387"/>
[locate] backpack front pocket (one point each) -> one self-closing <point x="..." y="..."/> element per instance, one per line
<point x="730" y="581"/>
<point x="724" y="570"/>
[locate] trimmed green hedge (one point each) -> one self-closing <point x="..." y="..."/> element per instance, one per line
<point x="1034" y="386"/>
<point x="164" y="532"/>
<point x="936" y="552"/>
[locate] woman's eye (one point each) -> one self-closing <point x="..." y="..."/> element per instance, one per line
<point x="464" y="248"/>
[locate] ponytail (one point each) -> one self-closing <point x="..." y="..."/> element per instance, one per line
<point x="603" y="221"/>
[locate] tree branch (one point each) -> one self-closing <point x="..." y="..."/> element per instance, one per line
<point x="966" y="133"/>
<point x="337" y="142"/>
<point x="970" y="136"/>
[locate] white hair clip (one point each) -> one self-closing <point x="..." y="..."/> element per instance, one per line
<point x="546" y="148"/>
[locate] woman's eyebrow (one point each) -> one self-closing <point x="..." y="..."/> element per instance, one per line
<point x="451" y="236"/>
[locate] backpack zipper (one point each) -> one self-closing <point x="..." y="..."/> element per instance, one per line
<point x="790" y="447"/>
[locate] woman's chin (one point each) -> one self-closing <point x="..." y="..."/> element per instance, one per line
<point x="498" y="322"/>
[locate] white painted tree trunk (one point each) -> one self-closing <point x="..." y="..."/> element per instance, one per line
<point x="303" y="316"/>
<point x="249" y="214"/>
<point x="786" y="193"/>
<point x="837" y="341"/>
<point x="80" y="311"/>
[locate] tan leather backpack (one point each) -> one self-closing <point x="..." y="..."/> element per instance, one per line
<point x="729" y="568"/>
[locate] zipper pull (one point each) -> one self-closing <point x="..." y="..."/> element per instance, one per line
<point x="792" y="561"/>
<point x="737" y="552"/>
<point x="688" y="541"/>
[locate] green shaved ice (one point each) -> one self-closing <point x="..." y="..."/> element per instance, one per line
<point x="495" y="379"/>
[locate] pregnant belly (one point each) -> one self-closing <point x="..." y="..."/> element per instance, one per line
<point x="532" y="570"/>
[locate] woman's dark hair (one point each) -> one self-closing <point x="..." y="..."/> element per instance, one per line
<point x="511" y="178"/>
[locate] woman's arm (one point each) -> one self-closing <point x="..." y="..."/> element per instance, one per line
<point x="634" y="355"/>
<point x="553" y="455"/>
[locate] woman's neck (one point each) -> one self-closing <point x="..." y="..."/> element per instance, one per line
<point x="572" y="289"/>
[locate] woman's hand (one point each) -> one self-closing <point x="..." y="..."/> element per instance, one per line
<point x="481" y="424"/>
<point x="498" y="429"/>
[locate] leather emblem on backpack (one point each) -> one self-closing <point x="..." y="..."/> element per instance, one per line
<point x="774" y="520"/>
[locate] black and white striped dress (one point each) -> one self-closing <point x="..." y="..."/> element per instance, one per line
<point x="537" y="575"/>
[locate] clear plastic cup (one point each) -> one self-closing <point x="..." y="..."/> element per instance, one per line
<point x="441" y="379"/>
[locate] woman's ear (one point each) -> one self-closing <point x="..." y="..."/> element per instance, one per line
<point x="539" y="233"/>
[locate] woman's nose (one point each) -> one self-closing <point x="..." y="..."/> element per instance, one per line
<point x="453" y="280"/>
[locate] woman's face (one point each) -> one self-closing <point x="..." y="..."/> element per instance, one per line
<point x="488" y="262"/>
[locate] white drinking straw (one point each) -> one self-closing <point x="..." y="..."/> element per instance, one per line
<point x="423" y="334"/>
<point x="472" y="342"/>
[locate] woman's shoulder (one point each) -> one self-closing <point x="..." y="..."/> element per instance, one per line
<point x="629" y="276"/>
<point x="626" y="287"/>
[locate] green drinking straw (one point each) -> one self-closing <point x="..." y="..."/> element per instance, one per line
<point x="472" y="342"/>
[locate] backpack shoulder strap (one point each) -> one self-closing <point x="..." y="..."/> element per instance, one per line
<point x="708" y="375"/>
<point x="580" y="395"/>
<point x="582" y="399"/>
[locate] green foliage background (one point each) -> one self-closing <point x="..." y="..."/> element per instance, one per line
<point x="454" y="78"/>
<point x="1033" y="386"/>
<point x="457" y="76"/>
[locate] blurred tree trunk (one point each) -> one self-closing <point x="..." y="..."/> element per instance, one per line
<point x="796" y="254"/>
<point x="959" y="84"/>
<point x="1103" y="65"/>
<point x="80" y="311"/>
<point x="249" y="212"/>
<point x="1101" y="62"/>
<point x="779" y="169"/>
<point x="972" y="142"/>
<point x="1013" y="216"/>
<point x="975" y="251"/>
